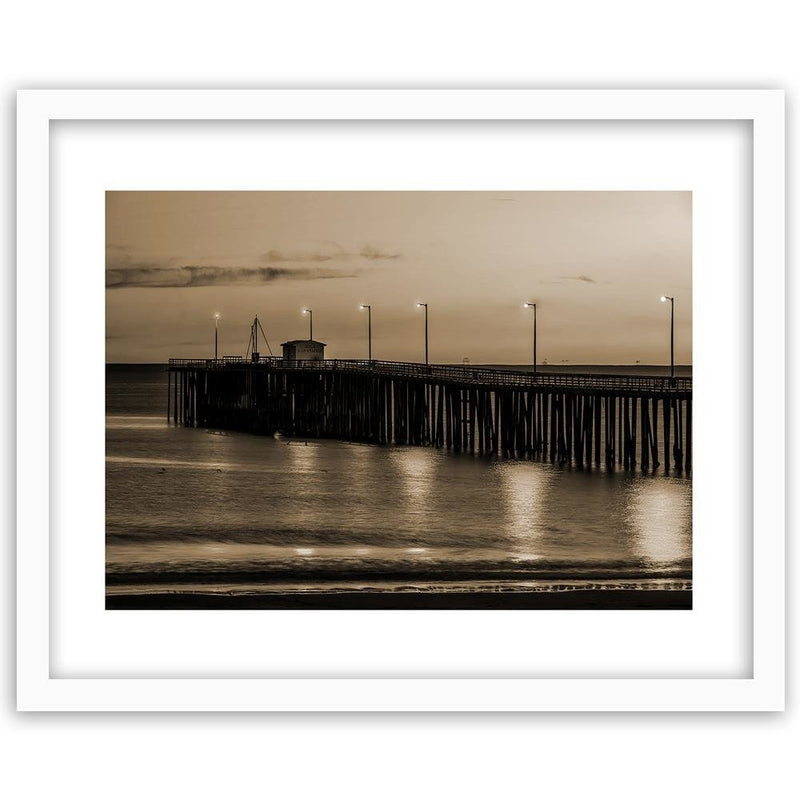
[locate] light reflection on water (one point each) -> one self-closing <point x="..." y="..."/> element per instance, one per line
<point x="660" y="514"/>
<point x="523" y="498"/>
<point x="417" y="476"/>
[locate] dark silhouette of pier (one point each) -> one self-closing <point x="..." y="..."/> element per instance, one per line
<point x="618" y="421"/>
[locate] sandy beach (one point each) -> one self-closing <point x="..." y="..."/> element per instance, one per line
<point x="574" y="600"/>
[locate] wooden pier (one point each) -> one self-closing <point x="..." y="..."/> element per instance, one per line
<point x="587" y="421"/>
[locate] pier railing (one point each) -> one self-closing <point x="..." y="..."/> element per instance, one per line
<point x="477" y="376"/>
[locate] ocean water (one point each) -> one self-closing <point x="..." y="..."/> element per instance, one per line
<point x="215" y="512"/>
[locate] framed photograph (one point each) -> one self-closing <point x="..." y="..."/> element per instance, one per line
<point x="423" y="400"/>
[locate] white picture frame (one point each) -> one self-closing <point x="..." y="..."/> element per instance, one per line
<point x="40" y="686"/>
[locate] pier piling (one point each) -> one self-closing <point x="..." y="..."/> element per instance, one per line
<point x="576" y="420"/>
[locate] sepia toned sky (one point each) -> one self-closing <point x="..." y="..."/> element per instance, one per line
<point x="595" y="263"/>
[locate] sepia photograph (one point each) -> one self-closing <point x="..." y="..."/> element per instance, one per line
<point x="398" y="400"/>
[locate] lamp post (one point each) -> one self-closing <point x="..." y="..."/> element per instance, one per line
<point x="664" y="299"/>
<point x="216" y="333"/>
<point x="369" y="328"/>
<point x="425" y="306"/>
<point x="533" y="306"/>
<point x="310" y="323"/>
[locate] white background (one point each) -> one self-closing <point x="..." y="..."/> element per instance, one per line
<point x="240" y="44"/>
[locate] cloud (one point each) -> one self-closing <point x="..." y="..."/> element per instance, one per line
<point x="559" y="280"/>
<point x="160" y="277"/>
<point x="123" y="271"/>
<point x="277" y="257"/>
<point x="374" y="255"/>
<point x="336" y="253"/>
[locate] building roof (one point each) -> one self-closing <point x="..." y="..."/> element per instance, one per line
<point x="303" y="341"/>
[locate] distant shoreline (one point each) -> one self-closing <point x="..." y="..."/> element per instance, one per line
<point x="591" y="599"/>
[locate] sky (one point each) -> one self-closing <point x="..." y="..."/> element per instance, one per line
<point x="595" y="263"/>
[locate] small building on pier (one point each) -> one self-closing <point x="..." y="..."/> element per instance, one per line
<point x="303" y="350"/>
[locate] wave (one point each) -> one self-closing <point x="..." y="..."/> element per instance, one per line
<point x="127" y="530"/>
<point x="116" y="417"/>
<point x="290" y="571"/>
<point x="134" y="422"/>
<point x="394" y="587"/>
<point x="181" y="464"/>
